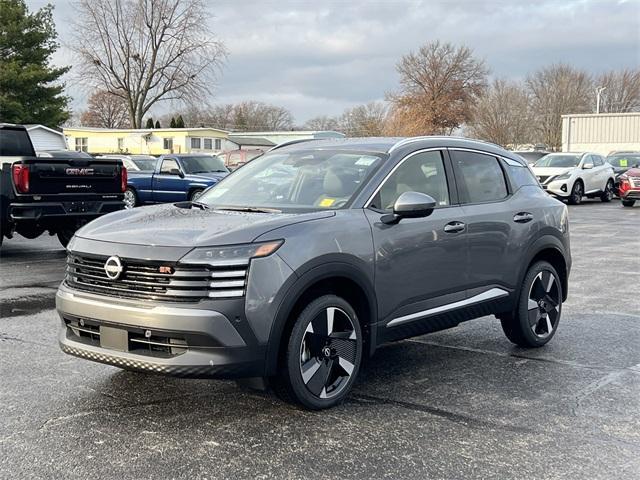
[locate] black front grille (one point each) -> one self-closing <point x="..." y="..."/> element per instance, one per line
<point x="160" y="281"/>
<point x="543" y="178"/>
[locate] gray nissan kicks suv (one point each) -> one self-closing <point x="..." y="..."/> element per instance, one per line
<point x="301" y="263"/>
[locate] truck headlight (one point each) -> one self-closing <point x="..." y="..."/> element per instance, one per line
<point x="230" y="254"/>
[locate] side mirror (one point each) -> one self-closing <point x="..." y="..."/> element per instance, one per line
<point x="587" y="166"/>
<point x="176" y="171"/>
<point x="410" y="205"/>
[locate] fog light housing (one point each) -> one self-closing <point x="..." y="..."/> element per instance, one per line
<point x="563" y="187"/>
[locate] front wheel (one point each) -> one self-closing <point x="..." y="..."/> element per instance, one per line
<point x="195" y="195"/>
<point x="628" y="203"/>
<point x="607" y="195"/>
<point x="537" y="314"/>
<point x="576" y="193"/>
<point x="322" y="356"/>
<point x="65" y="235"/>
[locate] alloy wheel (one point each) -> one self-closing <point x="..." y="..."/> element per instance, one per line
<point x="577" y="192"/>
<point x="328" y="353"/>
<point x="608" y="191"/>
<point x="129" y="198"/>
<point x="544" y="304"/>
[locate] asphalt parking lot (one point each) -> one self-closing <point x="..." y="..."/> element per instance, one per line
<point x="464" y="403"/>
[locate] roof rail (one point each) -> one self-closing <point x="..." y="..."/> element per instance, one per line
<point x="290" y="142"/>
<point x="406" y="141"/>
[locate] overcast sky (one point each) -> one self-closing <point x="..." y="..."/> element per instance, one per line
<point x="320" y="57"/>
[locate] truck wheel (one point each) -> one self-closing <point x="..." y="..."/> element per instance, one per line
<point x="195" y="194"/>
<point x="576" y="193"/>
<point x="322" y="356"/>
<point x="607" y="195"/>
<point x="537" y="314"/>
<point x="65" y="235"/>
<point x="628" y="203"/>
<point x="130" y="198"/>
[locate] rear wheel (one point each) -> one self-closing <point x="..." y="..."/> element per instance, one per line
<point x="323" y="355"/>
<point x="130" y="198"/>
<point x="628" y="203"/>
<point x="607" y="195"/>
<point x="537" y="315"/>
<point x="576" y="193"/>
<point x="65" y="235"/>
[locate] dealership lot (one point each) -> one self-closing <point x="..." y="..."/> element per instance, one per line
<point x="463" y="403"/>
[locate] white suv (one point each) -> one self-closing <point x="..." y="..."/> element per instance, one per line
<point x="572" y="176"/>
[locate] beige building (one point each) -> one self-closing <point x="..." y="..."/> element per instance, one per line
<point x="147" y="141"/>
<point x="601" y="133"/>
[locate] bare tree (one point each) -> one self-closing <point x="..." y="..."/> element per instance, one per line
<point x="367" y="120"/>
<point x="323" y="122"/>
<point x="105" y="110"/>
<point x="439" y="86"/>
<point x="555" y="91"/>
<point x="503" y="115"/>
<point x="622" y="92"/>
<point x="243" y="116"/>
<point x="146" y="51"/>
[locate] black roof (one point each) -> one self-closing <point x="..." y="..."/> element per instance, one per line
<point x="389" y="144"/>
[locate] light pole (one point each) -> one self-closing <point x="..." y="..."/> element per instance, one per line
<point x="599" y="91"/>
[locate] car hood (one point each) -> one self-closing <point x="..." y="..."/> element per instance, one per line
<point x="171" y="226"/>
<point x="208" y="176"/>
<point x="551" y="171"/>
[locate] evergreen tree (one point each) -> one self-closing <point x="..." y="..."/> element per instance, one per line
<point x="30" y="89"/>
<point x="173" y="123"/>
<point x="158" y="124"/>
<point x="149" y="123"/>
<point x="180" y="122"/>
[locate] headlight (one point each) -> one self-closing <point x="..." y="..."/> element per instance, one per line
<point x="564" y="176"/>
<point x="231" y="254"/>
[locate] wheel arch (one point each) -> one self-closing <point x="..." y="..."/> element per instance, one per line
<point x="550" y="249"/>
<point x="342" y="279"/>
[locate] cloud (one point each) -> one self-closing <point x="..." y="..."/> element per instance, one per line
<point x="319" y="58"/>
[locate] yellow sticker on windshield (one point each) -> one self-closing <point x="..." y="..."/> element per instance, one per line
<point x="624" y="162"/>
<point x="327" y="202"/>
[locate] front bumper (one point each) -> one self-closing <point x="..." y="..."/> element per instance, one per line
<point x="171" y="340"/>
<point x="558" y="188"/>
<point x="632" y="194"/>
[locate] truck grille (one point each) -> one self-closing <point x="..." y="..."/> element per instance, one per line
<point x="159" y="281"/>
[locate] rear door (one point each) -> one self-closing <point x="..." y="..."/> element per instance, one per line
<point x="590" y="176"/>
<point x="420" y="263"/>
<point x="492" y="219"/>
<point x="168" y="185"/>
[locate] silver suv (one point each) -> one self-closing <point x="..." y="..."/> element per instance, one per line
<point x="301" y="263"/>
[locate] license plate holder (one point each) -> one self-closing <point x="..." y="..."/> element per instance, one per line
<point x="114" y="338"/>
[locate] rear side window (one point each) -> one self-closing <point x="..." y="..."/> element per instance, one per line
<point x="480" y="177"/>
<point x="15" y="143"/>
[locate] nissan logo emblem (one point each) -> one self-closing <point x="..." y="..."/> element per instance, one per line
<point x="113" y="267"/>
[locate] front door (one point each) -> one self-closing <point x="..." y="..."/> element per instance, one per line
<point x="168" y="185"/>
<point x="420" y="263"/>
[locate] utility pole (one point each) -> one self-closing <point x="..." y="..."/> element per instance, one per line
<point x="599" y="91"/>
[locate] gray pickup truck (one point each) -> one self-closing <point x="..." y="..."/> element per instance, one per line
<point x="53" y="194"/>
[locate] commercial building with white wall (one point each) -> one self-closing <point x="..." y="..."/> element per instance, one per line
<point x="601" y="133"/>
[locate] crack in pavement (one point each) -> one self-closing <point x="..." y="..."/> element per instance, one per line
<point x="6" y="338"/>
<point x="593" y="387"/>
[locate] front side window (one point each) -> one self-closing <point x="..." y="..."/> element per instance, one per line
<point x="168" y="164"/>
<point x="303" y="180"/>
<point x="597" y="160"/>
<point x="82" y="144"/>
<point x="196" y="142"/>
<point x="423" y="173"/>
<point x="481" y="177"/>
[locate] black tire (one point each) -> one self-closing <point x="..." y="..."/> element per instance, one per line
<point x="607" y="195"/>
<point x="195" y="194"/>
<point x="537" y="315"/>
<point x="130" y="198"/>
<point x="65" y="235"/>
<point x="577" y="192"/>
<point x="628" y="203"/>
<point x="330" y="359"/>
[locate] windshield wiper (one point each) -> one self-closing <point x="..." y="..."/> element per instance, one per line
<point x="250" y="209"/>
<point x="200" y="205"/>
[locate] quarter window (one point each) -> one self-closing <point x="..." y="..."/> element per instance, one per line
<point x="168" y="164"/>
<point x="481" y="177"/>
<point x="82" y="144"/>
<point x="422" y="173"/>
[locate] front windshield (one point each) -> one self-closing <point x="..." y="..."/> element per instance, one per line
<point x="558" y="161"/>
<point x="626" y="160"/>
<point x="300" y="180"/>
<point x="203" y="164"/>
<point x="145" y="164"/>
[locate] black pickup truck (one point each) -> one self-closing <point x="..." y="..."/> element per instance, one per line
<point x="58" y="195"/>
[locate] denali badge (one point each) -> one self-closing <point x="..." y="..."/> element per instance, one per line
<point x="113" y="267"/>
<point x="79" y="171"/>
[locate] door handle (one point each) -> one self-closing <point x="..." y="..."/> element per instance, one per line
<point x="454" y="227"/>
<point x="522" y="217"/>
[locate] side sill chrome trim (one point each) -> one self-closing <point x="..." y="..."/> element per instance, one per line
<point x="481" y="297"/>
